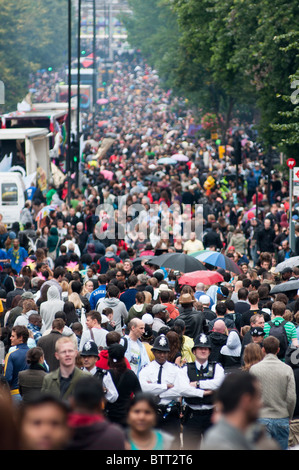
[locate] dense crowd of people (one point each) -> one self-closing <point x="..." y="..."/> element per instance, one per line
<point x="105" y="349"/>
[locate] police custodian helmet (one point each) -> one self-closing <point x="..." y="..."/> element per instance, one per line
<point x="161" y="344"/>
<point x="202" y="341"/>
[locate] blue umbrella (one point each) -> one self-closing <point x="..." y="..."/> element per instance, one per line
<point x="214" y="258"/>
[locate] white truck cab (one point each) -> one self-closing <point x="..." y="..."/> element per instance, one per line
<point x="12" y="198"/>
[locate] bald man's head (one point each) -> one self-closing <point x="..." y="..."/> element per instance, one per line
<point x="219" y="327"/>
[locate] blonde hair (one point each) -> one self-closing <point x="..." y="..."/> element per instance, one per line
<point x="63" y="340"/>
<point x="252" y="355"/>
<point x="75" y="298"/>
<point x="148" y="297"/>
<point x="64" y="285"/>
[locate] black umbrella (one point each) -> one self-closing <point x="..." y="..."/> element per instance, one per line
<point x="142" y="258"/>
<point x="178" y="261"/>
<point x="285" y="286"/>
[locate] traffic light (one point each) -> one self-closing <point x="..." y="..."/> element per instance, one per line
<point x="237" y="152"/>
<point x="50" y="69"/>
<point x="105" y="78"/>
<point x="74" y="163"/>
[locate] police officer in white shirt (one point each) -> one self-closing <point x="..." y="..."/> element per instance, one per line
<point x="162" y="379"/>
<point x="199" y="380"/>
<point x="90" y="355"/>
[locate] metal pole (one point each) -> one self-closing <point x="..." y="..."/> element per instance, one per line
<point x="110" y="32"/>
<point x="291" y="224"/>
<point x="269" y="174"/>
<point x="68" y="157"/>
<point x="78" y="93"/>
<point x="79" y="70"/>
<point x="94" y="62"/>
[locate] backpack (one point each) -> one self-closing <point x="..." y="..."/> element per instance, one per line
<point x="278" y="330"/>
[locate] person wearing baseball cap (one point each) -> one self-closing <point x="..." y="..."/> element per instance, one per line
<point x="89" y="356"/>
<point x="160" y="315"/>
<point x="200" y="380"/>
<point x="161" y="378"/>
<point x="206" y="301"/>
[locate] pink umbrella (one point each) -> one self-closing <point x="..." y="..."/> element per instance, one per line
<point x="179" y="157"/>
<point x="108" y="174"/>
<point x="102" y="101"/>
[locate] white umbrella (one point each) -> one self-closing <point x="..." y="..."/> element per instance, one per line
<point x="180" y="157"/>
<point x="166" y="161"/>
<point x="288" y="263"/>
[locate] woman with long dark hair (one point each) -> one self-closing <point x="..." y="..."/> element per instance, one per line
<point x="125" y="381"/>
<point x="71" y="314"/>
<point x="175" y="344"/>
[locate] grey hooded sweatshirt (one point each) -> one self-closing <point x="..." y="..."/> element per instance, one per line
<point x="120" y="312"/>
<point x="53" y="305"/>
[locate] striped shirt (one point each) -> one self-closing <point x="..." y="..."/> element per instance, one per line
<point x="289" y="327"/>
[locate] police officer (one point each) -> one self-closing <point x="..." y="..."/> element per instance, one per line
<point x="90" y="355"/>
<point x="162" y="379"/>
<point x="199" y="380"/>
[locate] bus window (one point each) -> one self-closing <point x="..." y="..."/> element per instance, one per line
<point x="9" y="194"/>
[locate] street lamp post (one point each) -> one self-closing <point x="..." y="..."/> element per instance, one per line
<point x="68" y="156"/>
<point x="94" y="62"/>
<point x="78" y="93"/>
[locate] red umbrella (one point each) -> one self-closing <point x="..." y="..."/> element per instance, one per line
<point x="207" y="277"/>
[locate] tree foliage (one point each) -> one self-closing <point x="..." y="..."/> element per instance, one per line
<point x="224" y="55"/>
<point x="33" y="35"/>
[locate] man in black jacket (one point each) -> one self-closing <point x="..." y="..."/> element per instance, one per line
<point x="265" y="238"/>
<point x="212" y="238"/>
<point x="195" y="321"/>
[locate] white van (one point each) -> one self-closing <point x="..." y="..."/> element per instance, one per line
<point x="12" y="198"/>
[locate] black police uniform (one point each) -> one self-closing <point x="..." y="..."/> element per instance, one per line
<point x="198" y="408"/>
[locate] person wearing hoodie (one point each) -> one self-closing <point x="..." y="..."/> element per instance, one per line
<point x="230" y="353"/>
<point x="218" y="337"/>
<point x="52" y="305"/>
<point x="120" y="312"/>
<point x="103" y="262"/>
<point x="139" y="308"/>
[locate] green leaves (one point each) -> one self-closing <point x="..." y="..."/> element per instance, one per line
<point x="226" y="56"/>
<point x="33" y="35"/>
